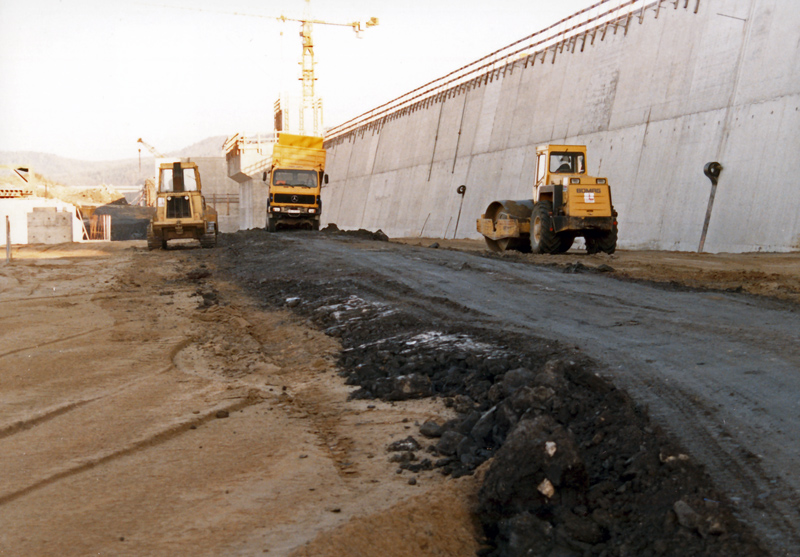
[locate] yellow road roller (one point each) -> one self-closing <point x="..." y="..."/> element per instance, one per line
<point x="566" y="203"/>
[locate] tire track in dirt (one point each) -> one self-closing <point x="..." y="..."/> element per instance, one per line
<point x="23" y="425"/>
<point x="251" y="398"/>
<point x="51" y="342"/>
<point x="734" y="469"/>
<point x="304" y="398"/>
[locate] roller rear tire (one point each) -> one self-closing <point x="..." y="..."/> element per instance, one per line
<point x="543" y="237"/>
<point x="605" y="242"/>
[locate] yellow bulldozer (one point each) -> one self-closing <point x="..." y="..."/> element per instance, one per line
<point x="566" y="203"/>
<point x="181" y="210"/>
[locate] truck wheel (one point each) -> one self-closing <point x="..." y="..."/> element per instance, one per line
<point x="272" y="226"/>
<point x="543" y="237"/>
<point x="152" y="241"/>
<point x="606" y="242"/>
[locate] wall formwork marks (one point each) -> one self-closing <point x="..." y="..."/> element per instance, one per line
<point x="653" y="104"/>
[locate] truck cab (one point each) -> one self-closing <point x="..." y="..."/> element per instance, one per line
<point x="295" y="180"/>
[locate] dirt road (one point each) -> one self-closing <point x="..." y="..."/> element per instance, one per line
<point x="721" y="369"/>
<point x="187" y="401"/>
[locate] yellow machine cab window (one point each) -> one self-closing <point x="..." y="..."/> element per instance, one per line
<point x="173" y="181"/>
<point x="567" y="163"/>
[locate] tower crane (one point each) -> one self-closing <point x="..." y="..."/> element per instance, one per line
<point x="149" y="148"/>
<point x="309" y="98"/>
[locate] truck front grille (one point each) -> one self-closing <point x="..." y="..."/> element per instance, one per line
<point x="295" y="198"/>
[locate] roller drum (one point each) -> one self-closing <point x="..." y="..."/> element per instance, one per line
<point x="519" y="210"/>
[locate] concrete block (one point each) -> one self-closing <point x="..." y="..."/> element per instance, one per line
<point x="35" y="220"/>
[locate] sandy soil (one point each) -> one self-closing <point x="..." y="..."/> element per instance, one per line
<point x="148" y="408"/>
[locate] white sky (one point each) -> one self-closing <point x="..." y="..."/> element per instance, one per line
<point x="85" y="78"/>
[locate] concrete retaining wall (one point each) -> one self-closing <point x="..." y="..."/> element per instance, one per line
<point x="220" y="192"/>
<point x="653" y="105"/>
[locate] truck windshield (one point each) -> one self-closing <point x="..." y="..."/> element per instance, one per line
<point x="297" y="178"/>
<point x="169" y="183"/>
<point x="570" y="163"/>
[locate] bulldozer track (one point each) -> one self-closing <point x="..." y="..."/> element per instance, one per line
<point x="51" y="342"/>
<point x="159" y="438"/>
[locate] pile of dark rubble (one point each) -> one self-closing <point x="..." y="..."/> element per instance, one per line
<point x="577" y="469"/>
<point x="378" y="235"/>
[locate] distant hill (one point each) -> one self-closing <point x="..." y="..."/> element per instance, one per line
<point x="124" y="172"/>
<point x="209" y="147"/>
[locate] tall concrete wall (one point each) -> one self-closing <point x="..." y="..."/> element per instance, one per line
<point x="653" y="104"/>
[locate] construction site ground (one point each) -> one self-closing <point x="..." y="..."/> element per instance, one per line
<point x="258" y="398"/>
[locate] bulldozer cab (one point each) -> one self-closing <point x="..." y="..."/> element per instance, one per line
<point x="554" y="162"/>
<point x="178" y="177"/>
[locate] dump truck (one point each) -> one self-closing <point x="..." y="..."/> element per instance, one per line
<point x="181" y="210"/>
<point x="566" y="203"/>
<point x="295" y="179"/>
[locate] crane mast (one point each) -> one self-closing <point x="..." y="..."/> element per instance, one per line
<point x="311" y="103"/>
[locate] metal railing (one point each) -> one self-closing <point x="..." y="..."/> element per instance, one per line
<point x="242" y="139"/>
<point x="218" y="199"/>
<point x="587" y="24"/>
